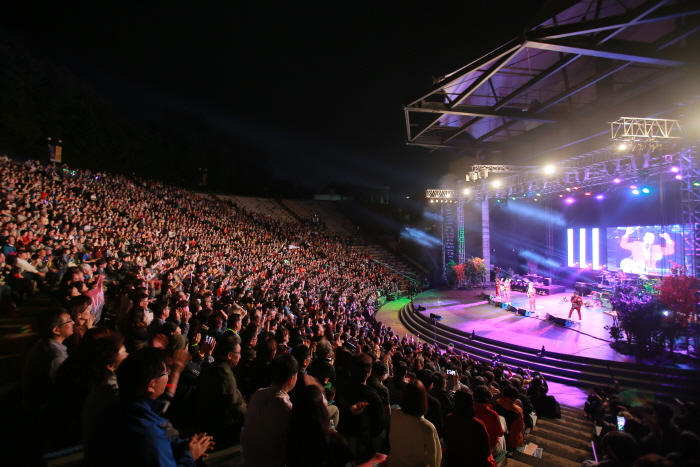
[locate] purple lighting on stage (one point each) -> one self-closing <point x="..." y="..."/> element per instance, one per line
<point x="679" y="177"/>
<point x="569" y="200"/>
<point x="616" y="180"/>
<point x="600" y="197"/>
<point x="675" y="169"/>
<point x="634" y="187"/>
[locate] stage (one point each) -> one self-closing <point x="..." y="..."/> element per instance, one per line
<point x="467" y="311"/>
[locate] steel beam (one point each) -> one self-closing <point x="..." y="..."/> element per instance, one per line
<point x="614" y="50"/>
<point x="615" y="22"/>
<point x="453" y="78"/>
<point x="480" y="111"/>
<point x="484" y="77"/>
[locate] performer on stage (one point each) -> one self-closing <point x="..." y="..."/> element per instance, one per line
<point x="506" y="291"/>
<point x="645" y="252"/>
<point x="531" y="294"/>
<point x="498" y="286"/>
<point x="576" y="303"/>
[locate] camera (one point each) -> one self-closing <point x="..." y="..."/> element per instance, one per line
<point x="451" y="372"/>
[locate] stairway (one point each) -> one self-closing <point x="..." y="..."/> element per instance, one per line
<point x="566" y="369"/>
<point x="565" y="442"/>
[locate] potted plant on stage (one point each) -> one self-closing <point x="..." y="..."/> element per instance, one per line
<point x="460" y="273"/>
<point x="640" y="317"/>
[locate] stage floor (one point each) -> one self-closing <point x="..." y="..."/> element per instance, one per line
<point x="466" y="311"/>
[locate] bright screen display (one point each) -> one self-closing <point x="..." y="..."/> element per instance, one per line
<point x="644" y="249"/>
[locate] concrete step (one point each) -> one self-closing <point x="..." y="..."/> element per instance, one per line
<point x="570" y="423"/>
<point x="558" y="449"/>
<point x="511" y="462"/>
<point x="560" y="437"/>
<point x="575" y="432"/>
<point x="549" y="459"/>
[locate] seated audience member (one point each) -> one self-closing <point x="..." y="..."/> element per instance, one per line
<point x="131" y="431"/>
<point x="466" y="436"/>
<point x="45" y="358"/>
<point x="264" y="434"/>
<point x="413" y="439"/>
<point x="321" y="367"/>
<point x="379" y="374"/>
<point x="311" y="442"/>
<point x="507" y="407"/>
<point x="483" y="409"/>
<point x="80" y="309"/>
<point x="220" y="405"/>
<point x="620" y="450"/>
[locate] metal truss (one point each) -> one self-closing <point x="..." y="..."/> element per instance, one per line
<point x="448" y="115"/>
<point x="690" y="197"/>
<point x="461" y="253"/>
<point x="440" y="194"/>
<point x="645" y="129"/>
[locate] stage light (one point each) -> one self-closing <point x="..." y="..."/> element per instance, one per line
<point x="497" y="183"/>
<point x="635" y="192"/>
<point x="696" y="183"/>
<point x="622" y="146"/>
<point x="538" y="195"/>
<point x="575" y="188"/>
<point x="570" y="246"/>
<point x="466" y="191"/>
<point x="549" y="169"/>
<point x="634" y="187"/>
<point x="679" y="177"/>
<point x="675" y="169"/>
<point x="616" y="180"/>
<point x="513" y="198"/>
<point x="568" y="189"/>
<point x="498" y="200"/>
<point x="569" y="200"/>
<point x="600" y="197"/>
<point x="588" y="193"/>
<point x="595" y="246"/>
<point x="484" y="173"/>
<point x="645" y="191"/>
<point x="561" y="196"/>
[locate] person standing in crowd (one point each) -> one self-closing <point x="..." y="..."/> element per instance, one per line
<point x="264" y="434"/>
<point x="413" y="439"/>
<point x="132" y="431"/>
<point x="466" y="436"/>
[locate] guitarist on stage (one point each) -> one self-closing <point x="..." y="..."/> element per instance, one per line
<point x="576" y="303"/>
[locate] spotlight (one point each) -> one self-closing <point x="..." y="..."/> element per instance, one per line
<point x="466" y="191"/>
<point x="616" y="180"/>
<point x="635" y="192"/>
<point x="675" y="169"/>
<point x="569" y="200"/>
<point x="679" y="177"/>
<point x="696" y="183"/>
<point x="645" y="191"/>
<point x="549" y="169"/>
<point x="497" y="183"/>
<point x="600" y="197"/>
<point x="634" y="187"/>
<point x="484" y="173"/>
<point x="622" y="146"/>
<point x="561" y="196"/>
<point x="588" y="193"/>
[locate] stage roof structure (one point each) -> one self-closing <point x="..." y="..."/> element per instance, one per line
<point x="552" y="93"/>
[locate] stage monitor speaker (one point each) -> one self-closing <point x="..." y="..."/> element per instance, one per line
<point x="512" y="308"/>
<point x="523" y="312"/>
<point x="556" y="320"/>
<point x="547" y="281"/>
<point x="497" y="304"/>
<point x="420" y="308"/>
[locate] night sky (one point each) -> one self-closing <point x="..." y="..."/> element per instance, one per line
<point x="318" y="85"/>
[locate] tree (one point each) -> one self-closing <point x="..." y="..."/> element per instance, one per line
<point x="678" y="291"/>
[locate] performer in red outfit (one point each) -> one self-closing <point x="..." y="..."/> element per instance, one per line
<point x="645" y="254"/>
<point x="576" y="303"/>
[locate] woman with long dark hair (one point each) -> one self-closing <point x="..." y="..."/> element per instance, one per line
<point x="311" y="442"/>
<point x="465" y="436"/>
<point x="413" y="439"/>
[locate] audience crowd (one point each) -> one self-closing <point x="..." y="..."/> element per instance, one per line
<point x="181" y="324"/>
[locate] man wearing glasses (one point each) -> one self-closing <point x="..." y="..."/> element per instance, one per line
<point x="132" y="432"/>
<point x="39" y="376"/>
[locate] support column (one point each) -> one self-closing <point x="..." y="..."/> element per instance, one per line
<point x="690" y="197"/>
<point x="486" y="236"/>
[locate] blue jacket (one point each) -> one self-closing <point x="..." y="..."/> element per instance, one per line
<point x="132" y="433"/>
